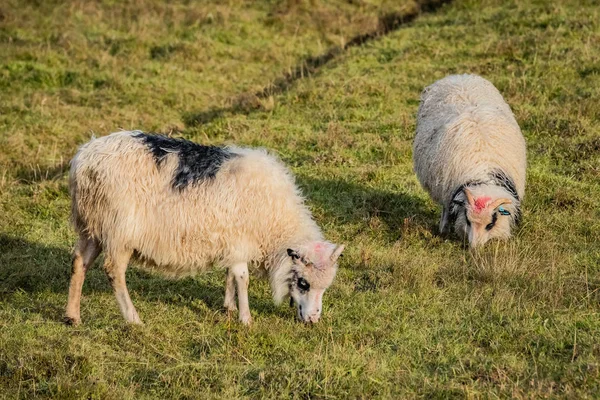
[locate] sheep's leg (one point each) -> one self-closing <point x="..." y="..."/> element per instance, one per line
<point x="242" y="279"/>
<point x="444" y="220"/>
<point x="86" y="252"/>
<point x="115" y="266"/>
<point x="229" y="303"/>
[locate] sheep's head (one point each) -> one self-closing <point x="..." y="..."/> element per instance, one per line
<point x="313" y="269"/>
<point x="485" y="218"/>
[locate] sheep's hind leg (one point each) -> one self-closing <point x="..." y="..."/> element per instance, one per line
<point x="115" y="266"/>
<point x="229" y="303"/>
<point x="242" y="279"/>
<point x="86" y="252"/>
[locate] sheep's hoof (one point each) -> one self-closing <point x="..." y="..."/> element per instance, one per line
<point x="246" y="320"/>
<point x="71" y="321"/>
<point x="134" y="320"/>
<point x="230" y="307"/>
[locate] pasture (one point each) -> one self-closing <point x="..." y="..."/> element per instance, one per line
<point x="332" y="88"/>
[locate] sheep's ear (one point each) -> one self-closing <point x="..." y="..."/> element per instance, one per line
<point x="499" y="202"/>
<point x="337" y="252"/>
<point x="297" y="257"/>
<point x="470" y="198"/>
<point x="294" y="254"/>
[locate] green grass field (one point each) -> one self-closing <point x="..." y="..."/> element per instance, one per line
<point x="411" y="314"/>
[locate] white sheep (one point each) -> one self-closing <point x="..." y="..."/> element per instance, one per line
<point x="179" y="208"/>
<point x="470" y="155"/>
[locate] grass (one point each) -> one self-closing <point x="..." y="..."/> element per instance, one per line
<point x="411" y="314"/>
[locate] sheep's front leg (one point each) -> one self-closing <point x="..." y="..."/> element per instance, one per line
<point x="229" y="303"/>
<point x="444" y="220"/>
<point x="240" y="272"/>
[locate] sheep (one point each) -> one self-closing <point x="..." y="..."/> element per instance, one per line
<point x="178" y="208"/>
<point x="470" y="155"/>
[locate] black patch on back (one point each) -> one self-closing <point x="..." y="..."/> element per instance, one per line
<point x="197" y="163"/>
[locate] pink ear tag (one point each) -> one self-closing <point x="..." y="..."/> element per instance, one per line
<point x="481" y="202"/>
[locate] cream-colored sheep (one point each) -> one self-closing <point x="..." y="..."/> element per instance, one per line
<point x="179" y="208"/>
<point x="470" y="155"/>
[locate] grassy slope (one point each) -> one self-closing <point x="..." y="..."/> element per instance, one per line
<point x="411" y="314"/>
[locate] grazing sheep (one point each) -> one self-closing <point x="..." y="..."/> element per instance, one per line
<point x="179" y="208"/>
<point x="470" y="156"/>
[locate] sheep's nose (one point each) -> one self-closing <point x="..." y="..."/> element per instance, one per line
<point x="314" y="318"/>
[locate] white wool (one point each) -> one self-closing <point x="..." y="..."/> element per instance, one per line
<point x="465" y="131"/>
<point x="251" y="211"/>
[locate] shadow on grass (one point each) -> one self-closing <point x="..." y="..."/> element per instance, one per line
<point x="35" y="268"/>
<point x="249" y="102"/>
<point x="391" y="213"/>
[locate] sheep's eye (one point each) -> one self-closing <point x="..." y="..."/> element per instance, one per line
<point x="303" y="285"/>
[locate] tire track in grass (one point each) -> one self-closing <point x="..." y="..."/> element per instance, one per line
<point x="248" y="102"/>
